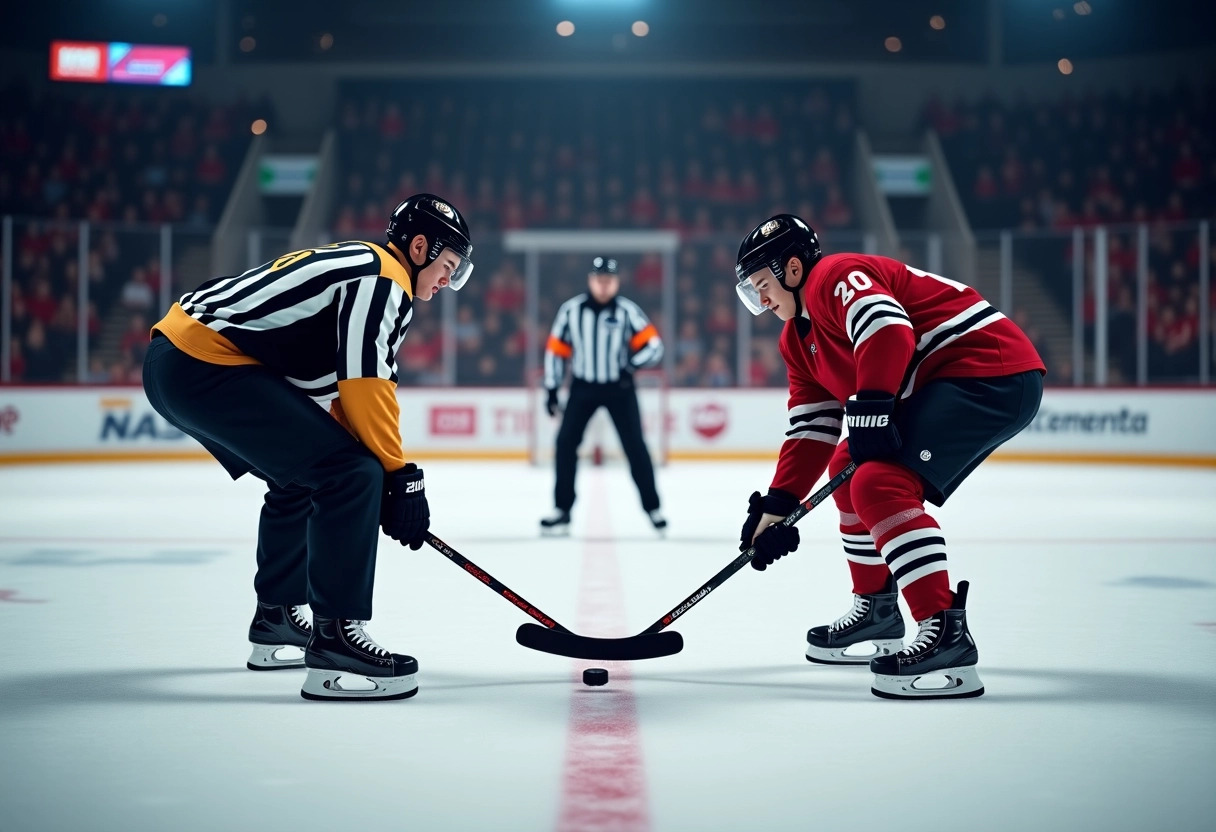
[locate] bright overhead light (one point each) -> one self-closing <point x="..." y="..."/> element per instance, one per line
<point x="1082" y="8"/>
<point x="1065" y="66"/>
<point x="937" y="22"/>
<point x="258" y="127"/>
<point x="893" y="44"/>
<point x="640" y="28"/>
<point x="565" y="28"/>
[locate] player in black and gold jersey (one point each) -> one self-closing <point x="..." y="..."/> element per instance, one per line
<point x="240" y="364"/>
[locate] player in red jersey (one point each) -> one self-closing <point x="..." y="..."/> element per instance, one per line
<point x="930" y="379"/>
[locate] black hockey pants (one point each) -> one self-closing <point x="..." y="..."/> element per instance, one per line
<point x="320" y="523"/>
<point x="622" y="405"/>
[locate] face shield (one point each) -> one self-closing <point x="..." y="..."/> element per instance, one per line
<point x="747" y="291"/>
<point x="464" y="267"/>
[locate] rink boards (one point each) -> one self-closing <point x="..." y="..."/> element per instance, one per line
<point x="1124" y="425"/>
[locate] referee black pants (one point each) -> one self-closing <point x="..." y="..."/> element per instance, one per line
<point x="622" y="404"/>
<point x="320" y="522"/>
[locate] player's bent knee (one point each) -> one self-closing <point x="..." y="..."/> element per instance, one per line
<point x="354" y="468"/>
<point x="879" y="483"/>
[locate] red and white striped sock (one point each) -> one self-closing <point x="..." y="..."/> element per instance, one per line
<point x="866" y="565"/>
<point x="890" y="502"/>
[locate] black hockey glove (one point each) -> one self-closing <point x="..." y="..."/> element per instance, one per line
<point x="777" y="541"/>
<point x="870" y="416"/>
<point x="551" y="405"/>
<point x="778" y="502"/>
<point x="404" y="513"/>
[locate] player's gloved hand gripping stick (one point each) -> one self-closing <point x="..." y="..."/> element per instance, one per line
<point x="645" y="646"/>
<point x="555" y="639"/>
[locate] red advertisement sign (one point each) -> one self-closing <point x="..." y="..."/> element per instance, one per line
<point x="453" y="420"/>
<point x="709" y="420"/>
<point x="78" y="61"/>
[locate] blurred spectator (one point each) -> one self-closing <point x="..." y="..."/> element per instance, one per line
<point x="136" y="293"/>
<point x="134" y="341"/>
<point x="717" y="372"/>
<point x="16" y="359"/>
<point x="41" y="363"/>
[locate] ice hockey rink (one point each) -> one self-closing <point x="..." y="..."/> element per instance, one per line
<point x="125" y="595"/>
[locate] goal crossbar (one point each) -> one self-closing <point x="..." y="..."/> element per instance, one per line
<point x="583" y="241"/>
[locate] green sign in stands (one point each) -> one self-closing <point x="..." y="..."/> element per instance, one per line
<point x="903" y="175"/>
<point x="281" y="174"/>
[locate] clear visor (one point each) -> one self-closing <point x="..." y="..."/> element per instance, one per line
<point x="464" y="269"/>
<point x="748" y="293"/>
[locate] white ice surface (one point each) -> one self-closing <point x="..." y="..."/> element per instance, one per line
<point x="125" y="594"/>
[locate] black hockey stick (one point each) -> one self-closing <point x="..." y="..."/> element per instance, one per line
<point x="565" y="643"/>
<point x="646" y="646"/>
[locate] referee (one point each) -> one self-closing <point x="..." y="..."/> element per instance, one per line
<point x="604" y="337"/>
<point x="241" y="363"/>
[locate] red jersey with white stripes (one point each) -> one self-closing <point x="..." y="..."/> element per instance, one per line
<point x="873" y="323"/>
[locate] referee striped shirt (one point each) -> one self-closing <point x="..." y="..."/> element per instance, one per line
<point x="330" y="320"/>
<point x="598" y="340"/>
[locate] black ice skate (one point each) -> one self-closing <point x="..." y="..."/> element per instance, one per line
<point x="874" y="620"/>
<point x="276" y="628"/>
<point x="658" y="521"/>
<point x="344" y="664"/>
<point x="938" y="664"/>
<point x="556" y="524"/>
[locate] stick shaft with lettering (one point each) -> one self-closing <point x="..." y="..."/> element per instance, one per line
<point x="738" y="563"/>
<point x="565" y="644"/>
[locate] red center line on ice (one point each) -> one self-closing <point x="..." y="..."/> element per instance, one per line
<point x="604" y="785"/>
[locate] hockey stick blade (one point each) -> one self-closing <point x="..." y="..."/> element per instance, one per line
<point x="645" y="646"/>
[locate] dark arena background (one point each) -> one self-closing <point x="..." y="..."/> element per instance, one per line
<point x="1058" y="157"/>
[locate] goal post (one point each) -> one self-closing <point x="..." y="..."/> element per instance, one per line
<point x="554" y="271"/>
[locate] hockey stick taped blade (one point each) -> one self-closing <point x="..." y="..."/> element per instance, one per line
<point x="647" y="646"/>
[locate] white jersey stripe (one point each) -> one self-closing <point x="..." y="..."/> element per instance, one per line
<point x="360" y="305"/>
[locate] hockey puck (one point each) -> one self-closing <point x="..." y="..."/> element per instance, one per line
<point x="595" y="676"/>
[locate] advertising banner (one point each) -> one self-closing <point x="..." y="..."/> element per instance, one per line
<point x="120" y="63"/>
<point x="72" y="424"/>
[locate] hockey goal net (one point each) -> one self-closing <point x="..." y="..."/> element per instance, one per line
<point x="600" y="443"/>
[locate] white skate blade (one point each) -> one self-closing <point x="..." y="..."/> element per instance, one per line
<point x="859" y="653"/>
<point x="340" y="686"/>
<point x="555" y="531"/>
<point x="951" y="683"/>
<point x="274" y="657"/>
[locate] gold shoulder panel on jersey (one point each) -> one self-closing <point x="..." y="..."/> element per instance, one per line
<point x="293" y="257"/>
<point x="393" y="269"/>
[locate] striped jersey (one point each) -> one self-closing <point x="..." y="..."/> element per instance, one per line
<point x="598" y="340"/>
<point x="873" y="323"/>
<point x="328" y="319"/>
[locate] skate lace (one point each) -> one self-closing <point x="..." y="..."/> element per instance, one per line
<point x="298" y="617"/>
<point x="925" y="636"/>
<point x="861" y="606"/>
<point x="360" y="638"/>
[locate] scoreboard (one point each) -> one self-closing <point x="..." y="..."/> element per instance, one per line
<point x="120" y="63"/>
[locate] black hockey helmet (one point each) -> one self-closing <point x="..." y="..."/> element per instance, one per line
<point x="604" y="265"/>
<point x="442" y="225"/>
<point x="770" y="245"/>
